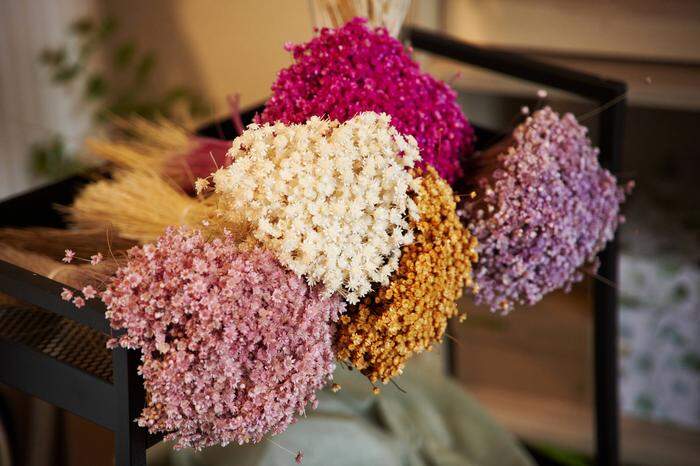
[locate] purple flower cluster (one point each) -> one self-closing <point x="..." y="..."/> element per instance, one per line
<point x="544" y="208"/>
<point x="353" y="69"/>
<point x="233" y="344"/>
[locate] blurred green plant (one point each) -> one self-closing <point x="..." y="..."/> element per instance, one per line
<point x="51" y="158"/>
<point x="124" y="91"/>
<point x="559" y="456"/>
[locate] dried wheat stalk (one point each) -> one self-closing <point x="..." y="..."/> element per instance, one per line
<point x="140" y="205"/>
<point x="334" y="13"/>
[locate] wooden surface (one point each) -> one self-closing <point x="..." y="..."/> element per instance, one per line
<point x="544" y="351"/>
<point x="532" y="370"/>
<point x="565" y="424"/>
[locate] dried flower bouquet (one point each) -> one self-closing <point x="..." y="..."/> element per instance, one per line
<point x="328" y="230"/>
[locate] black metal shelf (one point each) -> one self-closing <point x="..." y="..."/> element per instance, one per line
<point x="57" y="337"/>
<point x="34" y="372"/>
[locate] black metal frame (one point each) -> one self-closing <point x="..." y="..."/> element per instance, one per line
<point x="115" y="405"/>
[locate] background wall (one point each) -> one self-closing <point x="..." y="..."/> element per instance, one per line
<point x="216" y="46"/>
<point x="30" y="107"/>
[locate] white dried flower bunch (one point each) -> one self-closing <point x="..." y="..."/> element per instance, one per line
<point x="331" y="200"/>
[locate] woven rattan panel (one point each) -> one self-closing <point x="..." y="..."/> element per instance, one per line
<point x="58" y="337"/>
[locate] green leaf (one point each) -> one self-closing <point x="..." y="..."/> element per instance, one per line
<point x="644" y="404"/>
<point x="680" y="293"/>
<point x="173" y="95"/>
<point x="199" y="107"/>
<point x="81" y="26"/>
<point x="691" y="361"/>
<point x="50" y="158"/>
<point x="53" y="57"/>
<point x="44" y="154"/>
<point x="560" y="456"/>
<point x="66" y="73"/>
<point x="124" y="55"/>
<point x="108" y="26"/>
<point x="629" y="301"/>
<point x="145" y="67"/>
<point x="95" y="87"/>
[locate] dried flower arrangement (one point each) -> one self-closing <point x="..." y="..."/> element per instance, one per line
<point x="544" y="208"/>
<point x="330" y="199"/>
<point x="410" y="314"/>
<point x="353" y="69"/>
<point x="328" y="231"/>
<point x="164" y="147"/>
<point x="234" y="345"/>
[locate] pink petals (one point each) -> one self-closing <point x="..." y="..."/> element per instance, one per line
<point x="234" y="346"/>
<point x="66" y="294"/>
<point x="89" y="292"/>
<point x="70" y="254"/>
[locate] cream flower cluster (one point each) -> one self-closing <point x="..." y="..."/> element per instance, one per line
<point x="331" y="200"/>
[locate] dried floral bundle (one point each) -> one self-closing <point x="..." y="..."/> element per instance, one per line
<point x="337" y="196"/>
<point x="164" y="147"/>
<point x="140" y="204"/>
<point x="354" y="69"/>
<point x="330" y="200"/>
<point x="379" y="13"/>
<point x="544" y="208"/>
<point x="233" y="344"/>
<point x="410" y="314"/>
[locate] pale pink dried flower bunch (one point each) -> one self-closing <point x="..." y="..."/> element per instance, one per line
<point x="234" y="345"/>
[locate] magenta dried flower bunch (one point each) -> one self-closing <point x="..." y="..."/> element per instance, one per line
<point x="353" y="69"/>
<point x="543" y="209"/>
<point x="234" y="345"/>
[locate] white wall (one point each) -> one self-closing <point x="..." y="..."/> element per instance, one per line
<point x="30" y="108"/>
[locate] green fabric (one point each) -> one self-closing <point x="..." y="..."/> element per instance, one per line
<point x="435" y="423"/>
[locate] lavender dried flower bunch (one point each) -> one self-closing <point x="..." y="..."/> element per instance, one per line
<point x="544" y="208"/>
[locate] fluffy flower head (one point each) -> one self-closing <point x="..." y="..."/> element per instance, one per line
<point x="233" y="344"/>
<point x="545" y="208"/>
<point x="354" y="69"/>
<point x="410" y="314"/>
<point x="66" y="294"/>
<point x="331" y="200"/>
<point x="70" y="255"/>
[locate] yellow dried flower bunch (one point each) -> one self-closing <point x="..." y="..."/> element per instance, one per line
<point x="410" y="314"/>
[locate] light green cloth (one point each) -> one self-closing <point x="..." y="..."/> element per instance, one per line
<point x="435" y="423"/>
